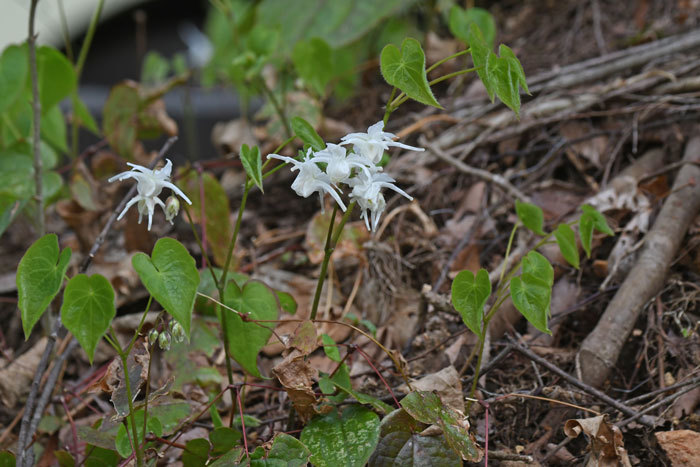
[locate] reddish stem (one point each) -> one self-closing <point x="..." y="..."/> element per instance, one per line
<point x="369" y="361"/>
<point x="240" y="411"/>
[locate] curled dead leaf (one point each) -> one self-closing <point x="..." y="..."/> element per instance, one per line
<point x="297" y="377"/>
<point x="605" y="441"/>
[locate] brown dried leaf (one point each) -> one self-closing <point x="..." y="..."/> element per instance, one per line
<point x="606" y="444"/>
<point x="16" y="378"/>
<point x="682" y="447"/>
<point x="447" y="385"/>
<point x="305" y="338"/>
<point x="350" y="242"/>
<point x="297" y="377"/>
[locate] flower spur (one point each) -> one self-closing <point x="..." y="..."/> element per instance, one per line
<point x="149" y="184"/>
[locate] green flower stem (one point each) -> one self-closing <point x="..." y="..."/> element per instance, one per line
<point x="447" y="59"/>
<point x="389" y="107"/>
<point x="331" y="242"/>
<point x="278" y="109"/>
<point x="114" y="342"/>
<point x="82" y="56"/>
<point x="403" y="97"/>
<point x="138" y="329"/>
<point x="508" y="248"/>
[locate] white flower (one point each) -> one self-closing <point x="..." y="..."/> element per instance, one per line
<point x="366" y="191"/>
<point x="373" y="143"/>
<point x="311" y="178"/>
<point x="149" y="185"/>
<point x="340" y="163"/>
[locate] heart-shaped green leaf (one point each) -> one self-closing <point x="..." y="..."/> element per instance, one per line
<point x="245" y="338"/>
<point x="566" y="239"/>
<point x="591" y="219"/>
<point x="14" y="66"/>
<point x="171" y="277"/>
<point x="88" y="309"/>
<point x="401" y="444"/>
<point x="347" y="439"/>
<point x="405" y="69"/>
<point x="460" y="20"/>
<point x="469" y="295"/>
<point x="531" y="216"/>
<point x="250" y="158"/>
<point x="532" y="292"/>
<point x="39" y="278"/>
<point x="285" y="451"/>
<point x="426" y="407"/>
<point x="307" y="134"/>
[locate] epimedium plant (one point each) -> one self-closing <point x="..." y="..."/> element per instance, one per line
<point x="247" y="310"/>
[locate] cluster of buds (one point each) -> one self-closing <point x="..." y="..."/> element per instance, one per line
<point x="165" y="337"/>
<point x="358" y="170"/>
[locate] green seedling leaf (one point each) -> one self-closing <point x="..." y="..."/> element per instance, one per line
<point x="216" y="211"/>
<point x="591" y="220"/>
<point x="347" y="439"/>
<point x="400" y="443"/>
<point x="57" y="77"/>
<point x="599" y="222"/>
<point x="307" y="134"/>
<point x="84" y="118"/>
<point x="460" y="20"/>
<point x="122" y="442"/>
<point x="426" y="407"/>
<point x="330" y="348"/>
<point x="566" y="239"/>
<point x="64" y="458"/>
<point x="531" y="216"/>
<point x="250" y="158"/>
<point x="196" y="453"/>
<point x="14" y="67"/>
<point x="223" y="439"/>
<point x="313" y="60"/>
<point x="469" y="295"/>
<point x="100" y="457"/>
<point x="287" y="302"/>
<point x="286" y="450"/>
<point x="246" y="338"/>
<point x="327" y="384"/>
<point x="39" y="278"/>
<point x="7" y="459"/>
<point x="88" y="309"/>
<point x="532" y="292"/>
<point x="405" y="69"/>
<point x="171" y="277"/>
<point x="345" y="387"/>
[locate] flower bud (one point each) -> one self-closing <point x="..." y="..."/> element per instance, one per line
<point x="152" y="336"/>
<point x="164" y="340"/>
<point x="172" y="207"/>
<point x="178" y="332"/>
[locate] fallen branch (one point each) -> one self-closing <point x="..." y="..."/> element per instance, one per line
<point x="601" y="349"/>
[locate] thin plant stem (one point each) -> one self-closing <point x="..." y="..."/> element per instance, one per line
<point x="508" y="248"/>
<point x="331" y="242"/>
<point x="82" y="56"/>
<point x="403" y="97"/>
<point x="446" y="59"/>
<point x="36" y="108"/>
<point x="278" y="108"/>
<point x="389" y="108"/>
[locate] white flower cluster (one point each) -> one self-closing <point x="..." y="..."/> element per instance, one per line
<point x="358" y="170"/>
<point x="149" y="185"/>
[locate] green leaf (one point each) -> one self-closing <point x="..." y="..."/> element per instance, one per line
<point x="460" y="21"/>
<point x="122" y="442"/>
<point x="566" y="239"/>
<point x="250" y="158"/>
<point x="469" y="295"/>
<point x="171" y="277"/>
<point x="10" y="207"/>
<point x="53" y="129"/>
<point x="246" y="339"/>
<point x="84" y="118"/>
<point x="532" y="292"/>
<point x="56" y="77"/>
<point x="154" y="69"/>
<point x="426" y="407"/>
<point x="345" y="387"/>
<point x="88" y="309"/>
<point x="196" y="453"/>
<point x="327" y="385"/>
<point x="39" y="278"/>
<point x="7" y="459"/>
<point x="100" y="457"/>
<point x="599" y="222"/>
<point x="405" y="69"/>
<point x="501" y="75"/>
<point x="330" y="348"/>
<point x="223" y="439"/>
<point x="531" y="216"/>
<point x="313" y="60"/>
<point x="287" y="302"/>
<point x="14" y="67"/>
<point x="216" y="211"/>
<point x="286" y="451"/>
<point x="400" y="443"/>
<point x="307" y="134"/>
<point x="347" y="439"/>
